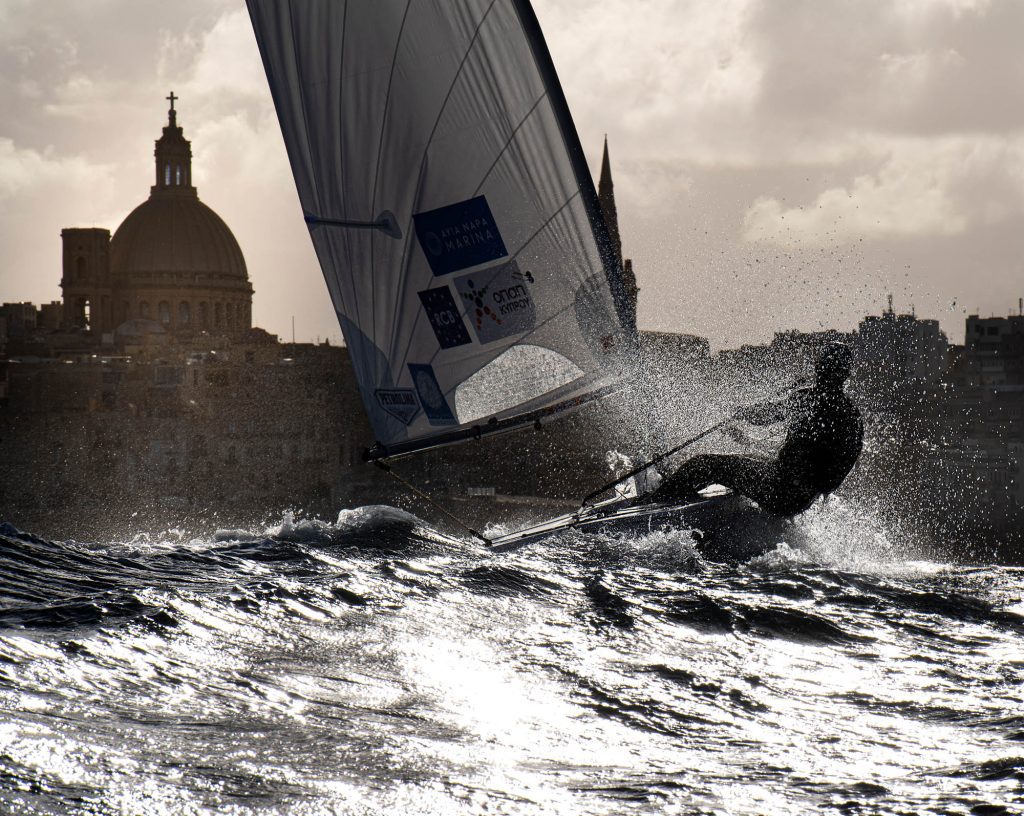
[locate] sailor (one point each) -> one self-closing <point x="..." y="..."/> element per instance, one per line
<point x="822" y="444"/>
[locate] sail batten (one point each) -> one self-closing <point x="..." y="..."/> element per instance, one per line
<point x="450" y="208"/>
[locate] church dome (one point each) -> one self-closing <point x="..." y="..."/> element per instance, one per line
<point x="173" y="259"/>
<point x="177" y="236"/>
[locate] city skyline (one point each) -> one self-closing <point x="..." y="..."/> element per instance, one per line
<point x="786" y="180"/>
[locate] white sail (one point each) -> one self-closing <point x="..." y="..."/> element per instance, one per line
<point x="450" y="207"/>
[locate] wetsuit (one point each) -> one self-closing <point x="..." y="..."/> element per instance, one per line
<point x="822" y="445"/>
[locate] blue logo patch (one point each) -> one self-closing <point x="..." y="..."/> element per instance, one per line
<point x="444" y="317"/>
<point x="498" y="301"/>
<point x="435" y="406"/>
<point x="459" y="236"/>
<point x="398" y="402"/>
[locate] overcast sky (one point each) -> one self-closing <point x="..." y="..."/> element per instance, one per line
<point x="778" y="163"/>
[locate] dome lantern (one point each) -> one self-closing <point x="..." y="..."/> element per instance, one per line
<point x="173" y="157"/>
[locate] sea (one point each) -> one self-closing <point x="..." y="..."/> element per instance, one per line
<point x="371" y="664"/>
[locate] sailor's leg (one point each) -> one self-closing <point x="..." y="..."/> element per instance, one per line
<point x="739" y="473"/>
<point x="777" y="488"/>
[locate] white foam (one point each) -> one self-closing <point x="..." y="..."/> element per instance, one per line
<point x="841" y="533"/>
<point x="374" y="514"/>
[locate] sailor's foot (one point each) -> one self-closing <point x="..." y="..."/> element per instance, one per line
<point x="674" y="497"/>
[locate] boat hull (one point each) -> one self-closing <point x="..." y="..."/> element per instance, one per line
<point x="723" y="527"/>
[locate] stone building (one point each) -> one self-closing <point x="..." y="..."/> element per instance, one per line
<point x="146" y="395"/>
<point x="900" y="349"/>
<point x="994" y="351"/>
<point x="173" y="260"/>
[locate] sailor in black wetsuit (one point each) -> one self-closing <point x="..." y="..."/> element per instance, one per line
<point x="822" y="445"/>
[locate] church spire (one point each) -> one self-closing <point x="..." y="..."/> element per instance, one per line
<point x="173" y="157"/>
<point x="606" y="198"/>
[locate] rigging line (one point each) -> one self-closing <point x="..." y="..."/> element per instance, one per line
<point x="376" y="173"/>
<point x="430" y="139"/>
<point x="508" y="143"/>
<point x="672" y="451"/>
<point x="383" y="465"/>
<point x="455" y="79"/>
<point x="620" y="479"/>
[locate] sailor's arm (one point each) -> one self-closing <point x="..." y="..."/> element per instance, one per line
<point x="763" y="413"/>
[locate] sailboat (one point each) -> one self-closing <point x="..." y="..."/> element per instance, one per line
<point x="456" y="222"/>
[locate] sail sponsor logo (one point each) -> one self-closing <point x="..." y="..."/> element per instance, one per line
<point x="459" y="236"/>
<point x="401" y="403"/>
<point x="444" y="317"/>
<point x="435" y="406"/>
<point x="498" y="301"/>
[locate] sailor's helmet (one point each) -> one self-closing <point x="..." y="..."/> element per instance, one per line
<point x="834" y="361"/>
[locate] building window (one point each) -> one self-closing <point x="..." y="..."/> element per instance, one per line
<point x="218" y="315"/>
<point x="204" y="314"/>
<point x="184" y="313"/>
<point x="164" y="309"/>
<point x="177" y="175"/>
<point x="86" y="310"/>
<point x="229" y="315"/>
<point x="144" y="310"/>
<point x="167" y="175"/>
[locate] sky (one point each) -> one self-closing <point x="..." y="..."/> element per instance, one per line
<point x="778" y="164"/>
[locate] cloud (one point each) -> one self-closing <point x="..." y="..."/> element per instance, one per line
<point x="21" y="169"/>
<point x="664" y="78"/>
<point x="749" y="83"/>
<point x="923" y="188"/>
<point x="908" y="67"/>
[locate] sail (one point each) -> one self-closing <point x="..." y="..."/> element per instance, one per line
<point x="451" y="209"/>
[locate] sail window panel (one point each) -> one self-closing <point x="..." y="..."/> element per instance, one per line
<point x="519" y="375"/>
